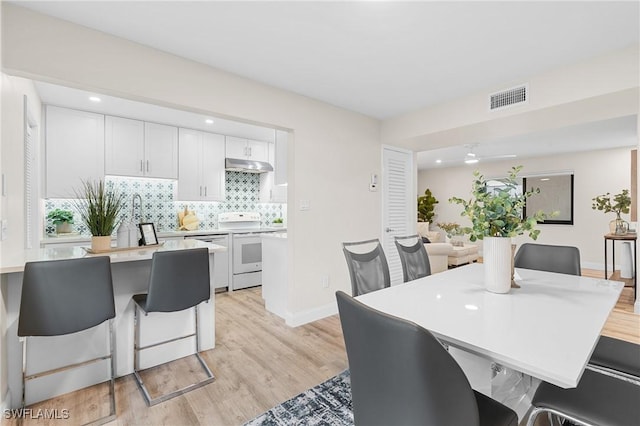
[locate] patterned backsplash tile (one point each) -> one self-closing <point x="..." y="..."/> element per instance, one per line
<point x="159" y="205"/>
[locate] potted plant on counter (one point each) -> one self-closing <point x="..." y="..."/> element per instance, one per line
<point x="100" y="210"/>
<point x="496" y="216"/>
<point x="62" y="219"/>
<point x="277" y="222"/>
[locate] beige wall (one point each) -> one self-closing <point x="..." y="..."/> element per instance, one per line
<point x="333" y="155"/>
<point x="601" y="88"/>
<point x="595" y="173"/>
<point x="13" y="90"/>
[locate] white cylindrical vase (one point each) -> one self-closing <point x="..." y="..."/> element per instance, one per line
<point x="626" y="261"/>
<point x="497" y="257"/>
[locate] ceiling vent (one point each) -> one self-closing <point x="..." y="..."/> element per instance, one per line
<point x="510" y="97"/>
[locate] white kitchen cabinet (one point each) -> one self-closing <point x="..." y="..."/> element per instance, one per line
<point x="74" y="147"/>
<point x="247" y="149"/>
<point x="269" y="191"/>
<point x="137" y="148"/>
<point x="161" y="151"/>
<point x="124" y="147"/>
<point x="201" y="174"/>
<point x="280" y="161"/>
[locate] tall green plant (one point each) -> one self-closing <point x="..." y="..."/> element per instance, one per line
<point x="498" y="212"/>
<point x="98" y="207"/>
<point x="426" y="206"/>
<point x="620" y="204"/>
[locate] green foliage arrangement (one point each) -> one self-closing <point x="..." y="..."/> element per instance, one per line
<point x="620" y="204"/>
<point x="277" y="220"/>
<point x="498" y="213"/>
<point x="426" y="206"/>
<point x="99" y="208"/>
<point x="59" y="216"/>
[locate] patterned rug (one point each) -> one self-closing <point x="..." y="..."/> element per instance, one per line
<point x="328" y="403"/>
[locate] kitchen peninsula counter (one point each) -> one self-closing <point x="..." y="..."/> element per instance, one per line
<point x="130" y="273"/>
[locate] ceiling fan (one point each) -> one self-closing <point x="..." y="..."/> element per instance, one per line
<point x="472" y="158"/>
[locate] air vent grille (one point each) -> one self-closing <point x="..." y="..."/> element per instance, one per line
<point x="509" y="97"/>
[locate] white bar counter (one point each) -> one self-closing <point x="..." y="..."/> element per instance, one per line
<point x="130" y="272"/>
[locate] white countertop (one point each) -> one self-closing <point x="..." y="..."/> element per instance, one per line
<point x="276" y="235"/>
<point x="81" y="239"/>
<point x="546" y="329"/>
<point x="15" y="261"/>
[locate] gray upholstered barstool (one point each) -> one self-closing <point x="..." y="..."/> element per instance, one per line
<point x="179" y="280"/>
<point x="62" y="297"/>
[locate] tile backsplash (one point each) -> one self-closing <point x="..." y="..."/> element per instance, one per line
<point x="159" y="205"/>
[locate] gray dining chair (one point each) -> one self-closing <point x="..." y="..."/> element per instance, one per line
<point x="401" y="374"/>
<point x="613" y="356"/>
<point x="62" y="297"/>
<point x="550" y="258"/>
<point x="598" y="400"/>
<point x="179" y="280"/>
<point x="414" y="258"/>
<point x="368" y="270"/>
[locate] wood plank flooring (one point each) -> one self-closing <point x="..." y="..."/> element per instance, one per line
<point x="258" y="362"/>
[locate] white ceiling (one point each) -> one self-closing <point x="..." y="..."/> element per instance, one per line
<point x="79" y="99"/>
<point x="377" y="58"/>
<point x="380" y="58"/>
<point x="607" y="134"/>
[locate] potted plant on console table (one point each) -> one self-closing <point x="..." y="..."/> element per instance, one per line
<point x="496" y="216"/>
<point x="100" y="210"/>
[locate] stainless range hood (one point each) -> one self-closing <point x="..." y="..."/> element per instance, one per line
<point x="247" y="166"/>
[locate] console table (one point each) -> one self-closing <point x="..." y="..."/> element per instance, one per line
<point x="613" y="238"/>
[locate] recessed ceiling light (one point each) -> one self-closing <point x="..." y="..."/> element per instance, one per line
<point x="438" y="161"/>
<point x="471" y="307"/>
<point x="544" y="179"/>
<point x="471" y="161"/>
<point x="208" y="121"/>
<point x="94" y="99"/>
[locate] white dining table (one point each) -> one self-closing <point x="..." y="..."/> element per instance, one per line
<point x="546" y="329"/>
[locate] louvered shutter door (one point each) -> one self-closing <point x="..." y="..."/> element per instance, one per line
<point x="397" y="202"/>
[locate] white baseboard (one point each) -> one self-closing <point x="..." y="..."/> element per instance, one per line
<point x="304" y="317"/>
<point x="593" y="265"/>
<point x="6" y="403"/>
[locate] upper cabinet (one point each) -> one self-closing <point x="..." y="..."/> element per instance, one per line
<point x="247" y="149"/>
<point x="137" y="148"/>
<point x="74" y="146"/>
<point x="270" y="191"/>
<point x="201" y="172"/>
<point x="280" y="161"/>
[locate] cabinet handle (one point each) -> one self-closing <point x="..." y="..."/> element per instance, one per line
<point x="246" y="152"/>
<point x="147" y="165"/>
<point x="141" y="169"/>
<point x="201" y="191"/>
<point x="205" y="191"/>
<point x="249" y="151"/>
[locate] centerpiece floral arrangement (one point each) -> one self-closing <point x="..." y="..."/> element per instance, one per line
<point x="620" y="203"/>
<point x="496" y="214"/>
<point x="497" y="211"/>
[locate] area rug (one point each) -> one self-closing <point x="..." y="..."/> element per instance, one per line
<point x="328" y="403"/>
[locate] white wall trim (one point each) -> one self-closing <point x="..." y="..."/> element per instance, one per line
<point x="6" y="403"/>
<point x="304" y="317"/>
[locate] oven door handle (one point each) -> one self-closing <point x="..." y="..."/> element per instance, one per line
<point x="248" y="235"/>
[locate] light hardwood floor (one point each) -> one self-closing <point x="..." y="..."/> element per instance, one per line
<point x="258" y="362"/>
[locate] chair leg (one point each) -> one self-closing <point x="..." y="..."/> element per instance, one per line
<point x="153" y="401"/>
<point x="112" y="375"/>
<point x="552" y="414"/>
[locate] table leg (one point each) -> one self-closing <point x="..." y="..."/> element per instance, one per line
<point x="605" y="258"/>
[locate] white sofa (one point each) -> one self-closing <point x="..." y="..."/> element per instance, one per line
<point x="437" y="251"/>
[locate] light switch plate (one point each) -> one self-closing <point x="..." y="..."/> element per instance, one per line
<point x="304" y="205"/>
<point x="4" y="225"/>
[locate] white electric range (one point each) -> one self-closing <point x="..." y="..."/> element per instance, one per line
<point x="246" y="231"/>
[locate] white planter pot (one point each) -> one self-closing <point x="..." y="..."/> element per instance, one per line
<point x="497" y="256"/>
